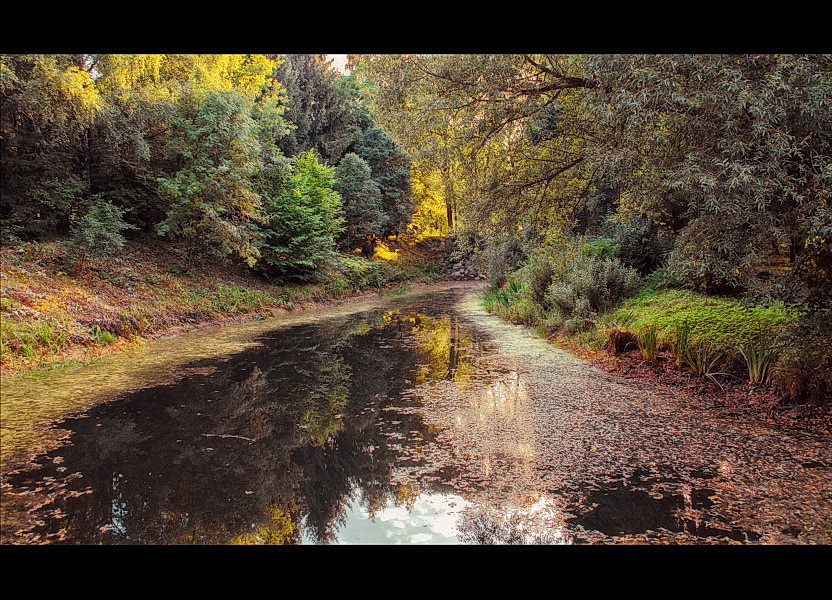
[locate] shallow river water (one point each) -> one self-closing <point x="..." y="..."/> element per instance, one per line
<point x="417" y="419"/>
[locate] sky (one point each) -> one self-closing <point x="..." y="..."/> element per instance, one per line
<point x="340" y="61"/>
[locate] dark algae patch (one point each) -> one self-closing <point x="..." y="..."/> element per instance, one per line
<point x="633" y="509"/>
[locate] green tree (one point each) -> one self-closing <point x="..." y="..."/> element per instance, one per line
<point x="130" y="133"/>
<point x="364" y="214"/>
<point x="303" y="214"/>
<point x="48" y="103"/>
<point x="390" y="170"/>
<point x="138" y="133"/>
<point x="465" y="117"/>
<point x="213" y="201"/>
<point x="322" y="111"/>
<point x="735" y="149"/>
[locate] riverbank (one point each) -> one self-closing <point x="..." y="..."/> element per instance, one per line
<point x="693" y="344"/>
<point x="57" y="313"/>
<point x="725" y="390"/>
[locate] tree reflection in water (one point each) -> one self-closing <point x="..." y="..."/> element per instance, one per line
<point x="321" y="425"/>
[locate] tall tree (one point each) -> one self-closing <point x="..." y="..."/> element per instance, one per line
<point x="145" y="94"/>
<point x="464" y="115"/>
<point x="213" y="202"/>
<point x="303" y="218"/>
<point x="738" y="148"/>
<point x="390" y="170"/>
<point x="364" y="213"/>
<point x="730" y="154"/>
<point x="319" y="110"/>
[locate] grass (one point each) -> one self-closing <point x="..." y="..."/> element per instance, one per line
<point x="759" y="358"/>
<point x="681" y="342"/>
<point x="704" y="332"/>
<point x="648" y="342"/>
<point x="704" y="360"/>
<point x="513" y="302"/>
<point x="724" y="323"/>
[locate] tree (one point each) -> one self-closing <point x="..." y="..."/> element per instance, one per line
<point x="464" y="117"/>
<point x="736" y="149"/>
<point x="146" y="97"/>
<point x="364" y="214"/>
<point x="48" y="102"/>
<point x="303" y="214"/>
<point x="321" y="110"/>
<point x="213" y="201"/>
<point x="390" y="170"/>
<point x="700" y="148"/>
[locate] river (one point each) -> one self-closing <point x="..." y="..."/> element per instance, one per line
<point x="412" y="419"/>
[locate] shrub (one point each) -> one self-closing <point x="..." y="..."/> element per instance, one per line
<point x="638" y="241"/>
<point x="501" y="258"/>
<point x="545" y="264"/>
<point x="590" y="286"/>
<point x="805" y="358"/>
<point x="99" y="231"/>
<point x="303" y="220"/>
<point x="102" y="336"/>
<point x="661" y="279"/>
<point x="600" y="248"/>
<point x="356" y="272"/>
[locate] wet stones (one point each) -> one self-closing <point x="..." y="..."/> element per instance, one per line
<point x="464" y="270"/>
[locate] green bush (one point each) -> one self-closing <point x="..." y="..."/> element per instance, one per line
<point x="600" y="248"/>
<point x="638" y="241"/>
<point x="544" y="265"/>
<point x="514" y="303"/>
<point x="353" y="272"/>
<point x="102" y="336"/>
<point x="681" y="342"/>
<point x="303" y="220"/>
<point x="99" y="232"/>
<point x="588" y="287"/>
<point x="703" y="359"/>
<point x="662" y="278"/>
<point x="501" y="258"/>
<point x="805" y="357"/>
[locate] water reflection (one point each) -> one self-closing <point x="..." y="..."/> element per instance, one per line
<point x="379" y="427"/>
<point x="427" y="519"/>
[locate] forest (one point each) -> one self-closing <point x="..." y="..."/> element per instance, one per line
<point x="652" y="201"/>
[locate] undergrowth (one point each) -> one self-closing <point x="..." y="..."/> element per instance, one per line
<point x="709" y="335"/>
<point x="52" y="307"/>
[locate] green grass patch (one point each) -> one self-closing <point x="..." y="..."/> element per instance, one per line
<point x="723" y="323"/>
<point x="514" y="303"/>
